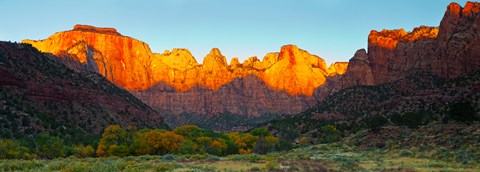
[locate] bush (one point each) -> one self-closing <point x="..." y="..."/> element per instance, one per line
<point x="461" y="111"/>
<point x="84" y="151"/>
<point x="375" y="122"/>
<point x="411" y="119"/>
<point x="271" y="166"/>
<point x="329" y="133"/>
<point x="284" y="146"/>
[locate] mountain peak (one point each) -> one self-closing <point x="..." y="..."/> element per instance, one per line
<point x="88" y="28"/>
<point x="215" y="51"/>
<point x="215" y="58"/>
<point x="178" y="58"/>
<point x="454" y="8"/>
<point x="471" y="8"/>
<point x="361" y="54"/>
<point x="235" y="63"/>
<point x="289" y="52"/>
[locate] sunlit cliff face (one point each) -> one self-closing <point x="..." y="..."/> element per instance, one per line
<point x="129" y="63"/>
<point x="389" y="39"/>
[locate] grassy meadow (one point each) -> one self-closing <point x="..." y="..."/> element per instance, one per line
<point x="321" y="157"/>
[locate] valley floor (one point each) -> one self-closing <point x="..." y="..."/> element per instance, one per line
<point x="323" y="157"/>
<point x="433" y="147"/>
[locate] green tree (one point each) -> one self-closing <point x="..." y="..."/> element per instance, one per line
<point x="260" y="132"/>
<point x="189" y="147"/>
<point x="119" y="150"/>
<point x="49" y="146"/>
<point x="139" y="146"/>
<point x="12" y="150"/>
<point x="190" y="131"/>
<point x="114" y="135"/>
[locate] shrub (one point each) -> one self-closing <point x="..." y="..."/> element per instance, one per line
<point x="411" y="119"/>
<point x="407" y="154"/>
<point x="84" y="151"/>
<point x="284" y="145"/>
<point x="168" y="157"/>
<point x="271" y="166"/>
<point x="375" y="122"/>
<point x="255" y="169"/>
<point x="461" y="111"/>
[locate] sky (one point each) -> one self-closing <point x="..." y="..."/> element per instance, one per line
<point x="331" y="29"/>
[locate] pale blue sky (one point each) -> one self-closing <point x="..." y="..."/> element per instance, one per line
<point x="331" y="29"/>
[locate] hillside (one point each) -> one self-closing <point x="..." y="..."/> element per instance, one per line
<point x="427" y="97"/>
<point x="41" y="95"/>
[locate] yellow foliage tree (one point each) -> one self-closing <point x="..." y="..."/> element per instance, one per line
<point x="84" y="151"/>
<point x="163" y="142"/>
<point x="218" y="146"/>
<point x="244" y="142"/>
<point x="272" y="139"/>
<point x="115" y="136"/>
<point x="101" y="150"/>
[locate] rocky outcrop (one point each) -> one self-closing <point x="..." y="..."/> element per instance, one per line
<point x="338" y="68"/>
<point x="87" y="28"/>
<point x="122" y="60"/>
<point x="359" y="71"/>
<point x="459" y="40"/>
<point x="393" y="54"/>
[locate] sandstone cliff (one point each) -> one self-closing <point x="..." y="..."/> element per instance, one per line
<point x="292" y="73"/>
<point x="449" y="51"/>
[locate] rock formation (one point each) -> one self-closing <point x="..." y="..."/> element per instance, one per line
<point x="130" y="64"/>
<point x="449" y="51"/>
<point x="121" y="59"/>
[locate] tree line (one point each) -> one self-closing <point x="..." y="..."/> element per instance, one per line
<point x="118" y="141"/>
